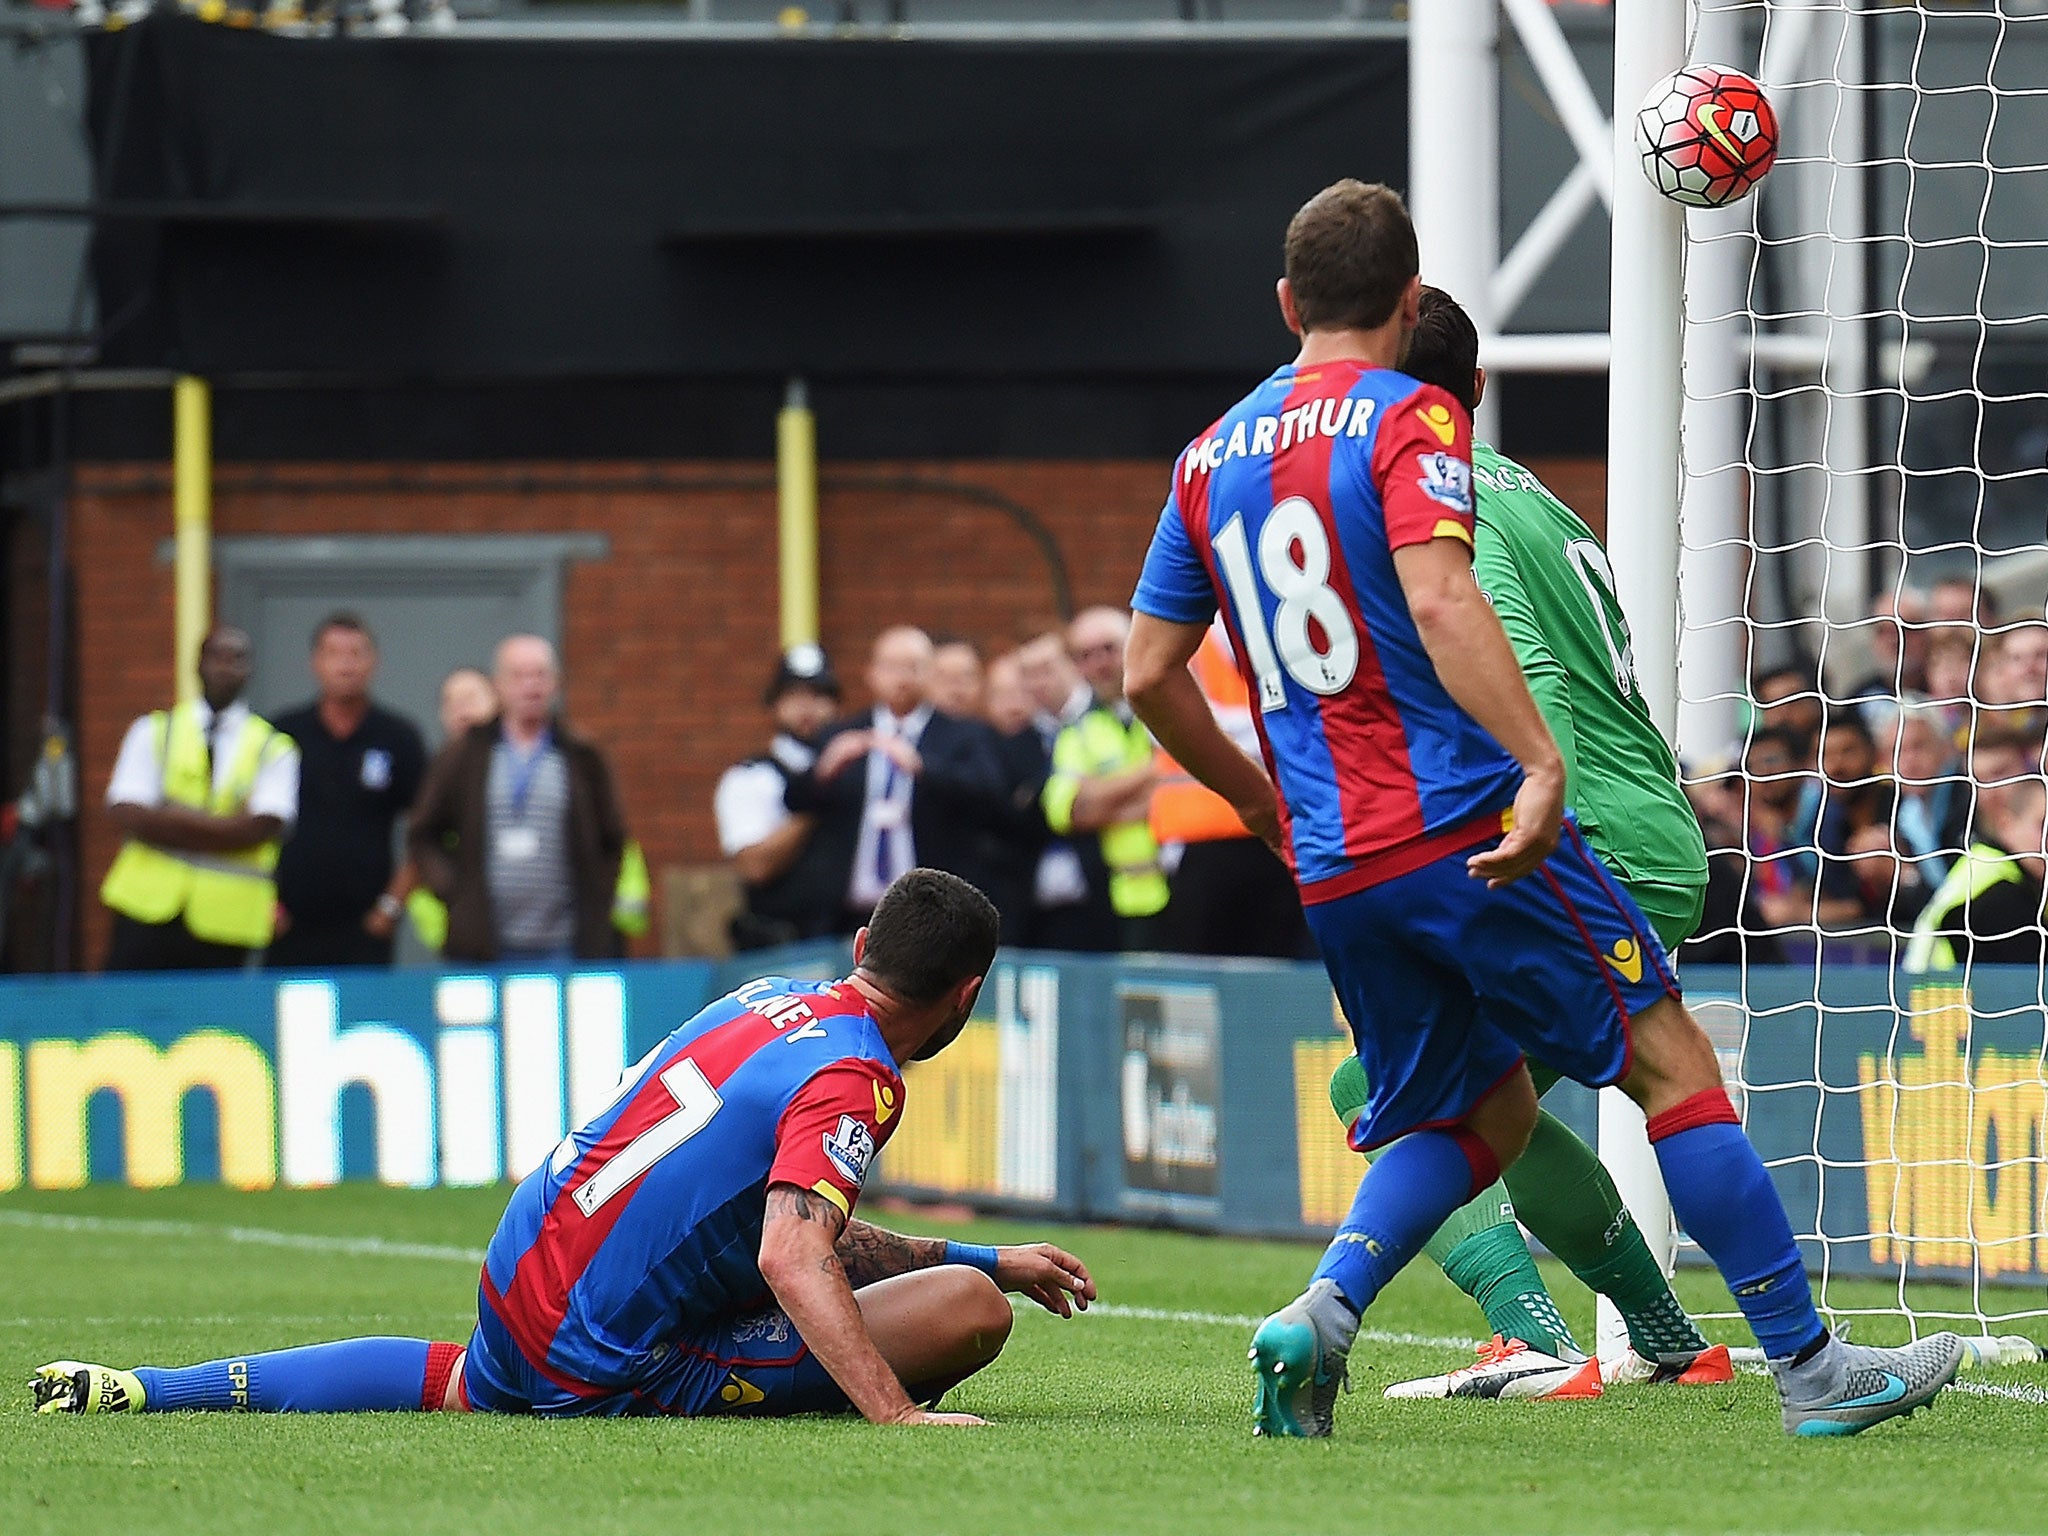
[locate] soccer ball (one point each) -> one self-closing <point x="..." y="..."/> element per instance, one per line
<point x="1706" y="135"/>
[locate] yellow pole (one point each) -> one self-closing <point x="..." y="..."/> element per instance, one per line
<point x="796" y="487"/>
<point x="192" y="500"/>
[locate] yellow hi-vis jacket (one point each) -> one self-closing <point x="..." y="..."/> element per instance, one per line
<point x="1098" y="743"/>
<point x="1982" y="866"/>
<point x="225" y="898"/>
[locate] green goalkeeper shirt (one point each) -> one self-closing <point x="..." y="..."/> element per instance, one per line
<point x="1549" y="580"/>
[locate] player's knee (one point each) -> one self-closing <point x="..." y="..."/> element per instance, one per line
<point x="1506" y="1118"/>
<point x="982" y="1313"/>
<point x="1672" y="1057"/>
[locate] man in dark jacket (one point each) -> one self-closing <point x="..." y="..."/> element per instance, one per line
<point x="1016" y="838"/>
<point x="518" y="827"/>
<point x="339" y="892"/>
<point x="901" y="784"/>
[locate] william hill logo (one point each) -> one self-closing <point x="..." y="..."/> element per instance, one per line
<point x="485" y="1092"/>
<point x="1954" y="1140"/>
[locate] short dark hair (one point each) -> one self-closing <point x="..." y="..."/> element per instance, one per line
<point x="1849" y="722"/>
<point x="1777" y="735"/>
<point x="1350" y="254"/>
<point x="929" y="932"/>
<point x="344" y="619"/>
<point x="1801" y="671"/>
<point x="1444" y="350"/>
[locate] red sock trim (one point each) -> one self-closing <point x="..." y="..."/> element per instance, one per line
<point x="1710" y="1106"/>
<point x="1485" y="1166"/>
<point x="441" y="1360"/>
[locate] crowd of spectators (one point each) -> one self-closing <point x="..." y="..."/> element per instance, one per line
<point x="1899" y="820"/>
<point x="306" y="841"/>
<point x="1027" y="774"/>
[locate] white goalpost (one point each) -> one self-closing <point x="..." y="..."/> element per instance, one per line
<point x="1831" y="393"/>
<point x="1642" y="499"/>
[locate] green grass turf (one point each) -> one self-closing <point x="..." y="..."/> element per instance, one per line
<point x="1103" y="1424"/>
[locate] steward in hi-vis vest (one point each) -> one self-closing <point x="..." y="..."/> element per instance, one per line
<point x="1102" y="781"/>
<point x="1988" y="910"/>
<point x="204" y="793"/>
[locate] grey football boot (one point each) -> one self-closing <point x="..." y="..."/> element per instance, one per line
<point x="1846" y="1388"/>
<point x="1298" y="1359"/>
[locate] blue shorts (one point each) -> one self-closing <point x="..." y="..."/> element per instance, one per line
<point x="753" y="1363"/>
<point x="1448" y="985"/>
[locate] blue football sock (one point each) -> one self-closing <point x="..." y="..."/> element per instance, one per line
<point x="1723" y="1196"/>
<point x="352" y="1376"/>
<point x="1407" y="1194"/>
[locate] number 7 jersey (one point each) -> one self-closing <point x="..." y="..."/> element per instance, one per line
<point x="647" y="1219"/>
<point x="1287" y="512"/>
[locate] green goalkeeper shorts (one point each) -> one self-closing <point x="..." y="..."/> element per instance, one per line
<point x="1674" y="911"/>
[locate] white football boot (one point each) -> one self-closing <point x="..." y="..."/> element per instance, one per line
<point x="1509" y="1370"/>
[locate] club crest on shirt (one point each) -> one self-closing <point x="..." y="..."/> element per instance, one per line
<point x="850" y="1147"/>
<point x="376" y="769"/>
<point x="769" y="1327"/>
<point x="1446" y="479"/>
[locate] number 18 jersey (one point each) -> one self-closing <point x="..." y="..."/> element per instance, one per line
<point x="1288" y="512"/>
<point x="647" y="1220"/>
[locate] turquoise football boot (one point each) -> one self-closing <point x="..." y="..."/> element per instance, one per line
<point x="1299" y="1359"/>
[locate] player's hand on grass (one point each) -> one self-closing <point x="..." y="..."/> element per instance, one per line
<point x="1050" y="1276"/>
<point x="919" y="1417"/>
<point x="1538" y="817"/>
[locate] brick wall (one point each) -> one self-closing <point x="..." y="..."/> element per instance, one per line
<point x="669" y="640"/>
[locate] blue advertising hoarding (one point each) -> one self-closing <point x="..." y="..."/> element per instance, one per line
<point x="1905" y="1119"/>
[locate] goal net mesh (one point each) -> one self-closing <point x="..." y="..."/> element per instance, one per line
<point x="1863" y="660"/>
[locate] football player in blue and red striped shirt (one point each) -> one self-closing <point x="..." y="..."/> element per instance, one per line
<point x="1420" y="803"/>
<point x="693" y="1248"/>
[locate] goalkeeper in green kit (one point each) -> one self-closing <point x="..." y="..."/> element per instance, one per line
<point x="1549" y="580"/>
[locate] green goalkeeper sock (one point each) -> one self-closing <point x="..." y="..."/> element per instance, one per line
<point x="1570" y="1203"/>
<point x="1480" y="1250"/>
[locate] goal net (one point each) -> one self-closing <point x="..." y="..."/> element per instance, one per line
<point x="1863" y="662"/>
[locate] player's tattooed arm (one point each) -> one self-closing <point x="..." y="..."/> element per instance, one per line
<point x="798" y="1260"/>
<point x="786" y="1201"/>
<point x="874" y="1253"/>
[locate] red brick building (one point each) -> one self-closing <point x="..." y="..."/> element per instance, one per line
<point x="668" y="639"/>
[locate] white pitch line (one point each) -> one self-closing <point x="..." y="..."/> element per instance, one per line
<point x="263" y="1237"/>
<point x="1112" y="1309"/>
<point x="324" y="1320"/>
<point x="384" y="1248"/>
<point x="2017" y="1392"/>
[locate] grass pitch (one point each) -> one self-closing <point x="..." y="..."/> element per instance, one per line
<point x="1135" y="1420"/>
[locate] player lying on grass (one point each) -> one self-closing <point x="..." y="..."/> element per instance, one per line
<point x="1547" y="578"/>
<point x="691" y="1250"/>
<point x="1420" y="801"/>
